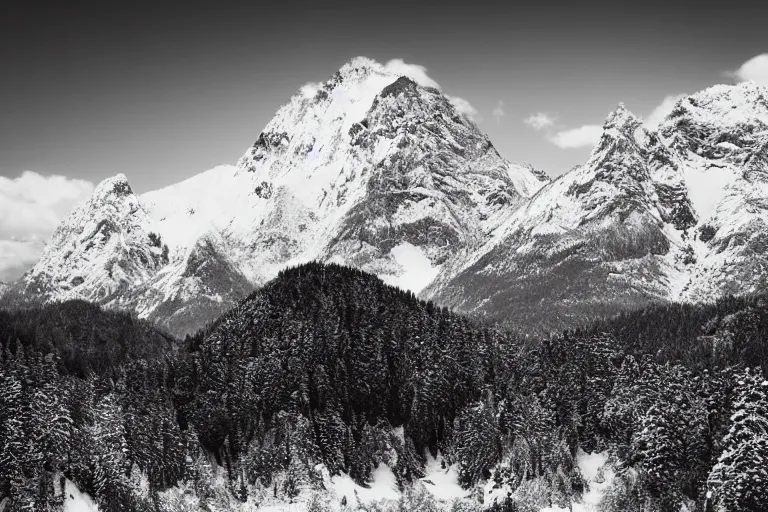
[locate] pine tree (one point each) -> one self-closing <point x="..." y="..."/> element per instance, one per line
<point x="622" y="410"/>
<point x="739" y="480"/>
<point x="108" y="462"/>
<point x="14" y="440"/>
<point x="477" y="445"/>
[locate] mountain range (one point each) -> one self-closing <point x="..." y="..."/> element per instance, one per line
<point x="375" y="171"/>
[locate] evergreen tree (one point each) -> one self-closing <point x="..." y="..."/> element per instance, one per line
<point x="739" y="480"/>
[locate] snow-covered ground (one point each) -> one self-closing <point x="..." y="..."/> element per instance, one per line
<point x="594" y="469"/>
<point x="383" y="486"/>
<point x="443" y="480"/>
<point x="76" y="501"/>
<point x="440" y="480"/>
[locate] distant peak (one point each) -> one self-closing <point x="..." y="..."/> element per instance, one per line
<point x="621" y="117"/>
<point x="402" y="84"/>
<point x="360" y="67"/>
<point x="116" y="185"/>
<point x="723" y="105"/>
<point x="752" y="85"/>
<point x="747" y="87"/>
<point x="362" y="62"/>
<point x="743" y="92"/>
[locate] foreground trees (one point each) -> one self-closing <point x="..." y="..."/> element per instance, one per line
<point x="329" y="370"/>
<point x="739" y="480"/>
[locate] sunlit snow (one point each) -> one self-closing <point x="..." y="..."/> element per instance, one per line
<point x="590" y="465"/>
<point x="76" y="501"/>
<point x="418" y="270"/>
<point x="707" y="186"/>
<point x="442" y="482"/>
<point x="383" y="486"/>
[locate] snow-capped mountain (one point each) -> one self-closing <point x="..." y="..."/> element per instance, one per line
<point x="376" y="171"/>
<point x="368" y="169"/>
<point x="675" y="214"/>
<point x="104" y="246"/>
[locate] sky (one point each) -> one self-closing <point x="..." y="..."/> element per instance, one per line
<point x="164" y="91"/>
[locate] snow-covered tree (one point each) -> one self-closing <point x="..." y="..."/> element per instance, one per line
<point x="739" y="480"/>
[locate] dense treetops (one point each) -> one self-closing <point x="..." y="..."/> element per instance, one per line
<point x="83" y="337"/>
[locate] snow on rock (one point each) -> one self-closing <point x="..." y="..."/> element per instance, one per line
<point x="104" y="246"/>
<point x="418" y="270"/>
<point x="680" y="213"/>
<point x="707" y="187"/>
<point x="374" y="170"/>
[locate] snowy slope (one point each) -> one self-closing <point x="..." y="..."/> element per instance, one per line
<point x="77" y="501"/>
<point x="677" y="214"/>
<point x="368" y="169"/>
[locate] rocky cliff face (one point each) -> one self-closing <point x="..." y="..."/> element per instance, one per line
<point x="106" y="246"/>
<point x="677" y="214"/>
<point x="720" y="137"/>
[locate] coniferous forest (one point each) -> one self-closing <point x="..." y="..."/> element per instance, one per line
<point x="328" y="371"/>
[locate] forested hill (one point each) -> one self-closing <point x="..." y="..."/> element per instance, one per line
<point x="83" y="337"/>
<point x="731" y="331"/>
<point x="328" y="371"/>
<point x="342" y="348"/>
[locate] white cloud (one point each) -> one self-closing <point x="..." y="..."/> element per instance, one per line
<point x="539" y="121"/>
<point x="662" y="110"/>
<point x="415" y="72"/>
<point x="31" y="206"/>
<point x="498" y="111"/>
<point x="582" y="137"/>
<point x="17" y="256"/>
<point x="463" y="106"/>
<point x="755" y="69"/>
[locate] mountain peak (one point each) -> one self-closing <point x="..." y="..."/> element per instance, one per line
<point x="117" y="186"/>
<point x="402" y="84"/>
<point x="360" y="63"/>
<point x="722" y="106"/>
<point x="374" y="168"/>
<point x="621" y="117"/>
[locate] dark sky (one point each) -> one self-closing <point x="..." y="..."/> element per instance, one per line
<point x="161" y="93"/>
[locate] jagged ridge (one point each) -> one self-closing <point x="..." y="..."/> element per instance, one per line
<point x="678" y="214"/>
